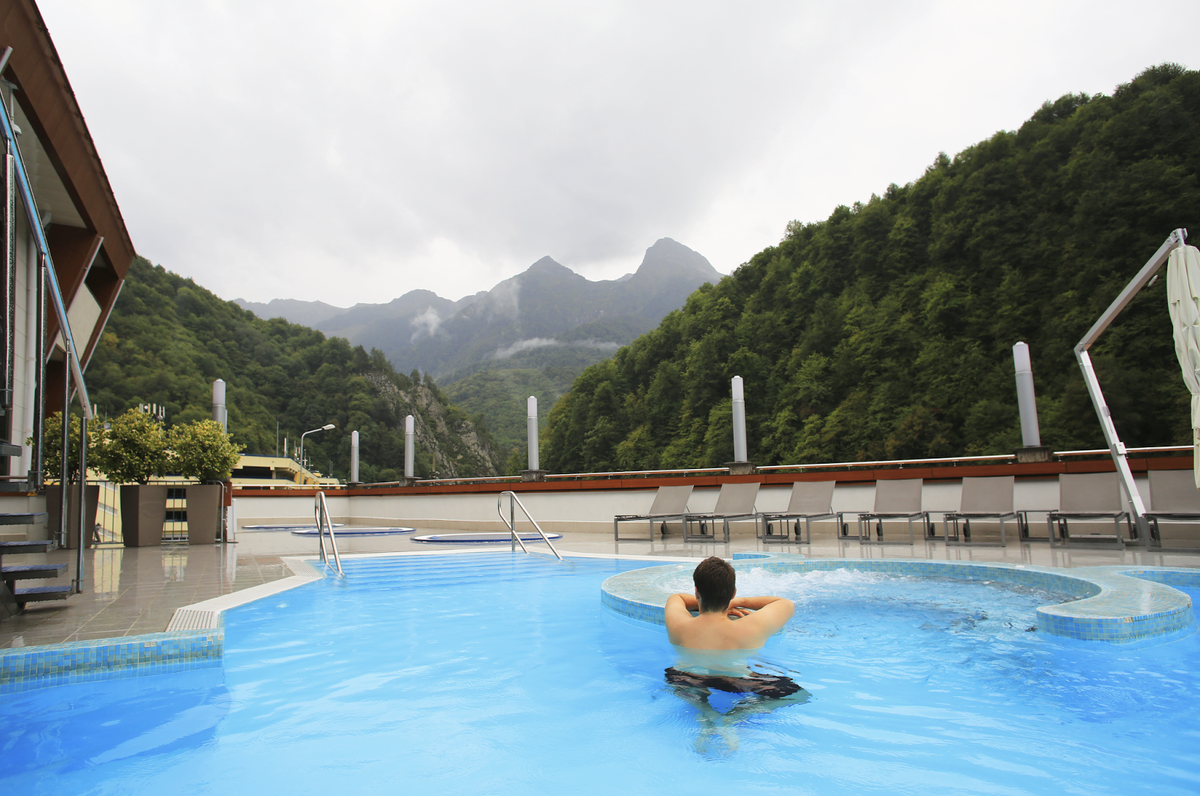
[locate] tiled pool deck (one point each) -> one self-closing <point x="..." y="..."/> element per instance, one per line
<point x="123" y="619"/>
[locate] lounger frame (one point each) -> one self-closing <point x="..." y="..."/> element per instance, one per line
<point x="894" y="500"/>
<point x="1088" y="497"/>
<point x="987" y="498"/>
<point x="1173" y="498"/>
<point x="670" y="503"/>
<point x="810" y="500"/>
<point x="735" y="502"/>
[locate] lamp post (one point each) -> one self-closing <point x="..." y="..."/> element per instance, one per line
<point x="325" y="427"/>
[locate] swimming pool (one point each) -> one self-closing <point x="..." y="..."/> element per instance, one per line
<point x="499" y="673"/>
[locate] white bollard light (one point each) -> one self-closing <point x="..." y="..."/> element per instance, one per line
<point x="410" y="434"/>
<point x="219" y="412"/>
<point x="531" y="431"/>
<point x="1026" y="398"/>
<point x="739" y="421"/>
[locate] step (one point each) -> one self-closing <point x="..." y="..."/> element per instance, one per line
<point x="23" y="518"/>
<point x="30" y="571"/>
<point x="38" y="594"/>
<point x="14" y="548"/>
<point x="20" y="487"/>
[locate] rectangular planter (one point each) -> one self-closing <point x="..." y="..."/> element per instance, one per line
<point x="203" y="513"/>
<point x="143" y="513"/>
<point x="53" y="506"/>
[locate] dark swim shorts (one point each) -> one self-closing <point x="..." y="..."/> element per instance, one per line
<point x="760" y="684"/>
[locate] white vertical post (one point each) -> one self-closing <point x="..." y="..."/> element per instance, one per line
<point x="219" y="413"/>
<point x="410" y="433"/>
<point x="739" y="421"/>
<point x="531" y="431"/>
<point x="1026" y="398"/>
<point x="33" y="275"/>
<point x="354" y="457"/>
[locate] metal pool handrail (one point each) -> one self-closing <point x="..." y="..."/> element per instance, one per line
<point x="510" y="521"/>
<point x="321" y="509"/>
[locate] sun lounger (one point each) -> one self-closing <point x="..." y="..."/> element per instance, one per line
<point x="1088" y="497"/>
<point x="1173" y="498"/>
<point x="988" y="498"/>
<point x="894" y="500"/>
<point x="670" y="503"/>
<point x="811" y="500"/>
<point x="735" y="502"/>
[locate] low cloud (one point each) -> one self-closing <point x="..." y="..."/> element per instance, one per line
<point x="523" y="345"/>
<point x="545" y="342"/>
<point x="426" y="324"/>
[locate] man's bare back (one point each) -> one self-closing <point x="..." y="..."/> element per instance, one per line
<point x="725" y="621"/>
<point x="758" y="618"/>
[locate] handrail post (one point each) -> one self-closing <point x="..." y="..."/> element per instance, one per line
<point x="63" y="473"/>
<point x="320" y="527"/>
<point x="83" y="539"/>
<point x="323" y="521"/>
<point x="512" y="496"/>
<point x="515" y="538"/>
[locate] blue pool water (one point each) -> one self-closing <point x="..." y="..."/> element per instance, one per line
<point x="498" y="673"/>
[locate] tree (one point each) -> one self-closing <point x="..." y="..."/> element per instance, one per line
<point x="202" y="450"/>
<point x="133" y="449"/>
<point x="52" y="447"/>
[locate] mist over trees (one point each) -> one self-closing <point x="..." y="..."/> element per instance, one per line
<point x="168" y="339"/>
<point x="886" y="330"/>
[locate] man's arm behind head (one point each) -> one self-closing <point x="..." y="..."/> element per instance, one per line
<point x="769" y="617"/>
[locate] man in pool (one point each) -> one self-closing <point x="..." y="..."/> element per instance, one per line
<point x="713" y="645"/>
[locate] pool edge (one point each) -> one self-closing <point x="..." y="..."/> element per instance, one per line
<point x="1116" y="605"/>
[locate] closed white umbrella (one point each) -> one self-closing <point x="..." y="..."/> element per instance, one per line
<point x="1183" y="295"/>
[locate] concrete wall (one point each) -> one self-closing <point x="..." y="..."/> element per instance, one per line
<point x="593" y="511"/>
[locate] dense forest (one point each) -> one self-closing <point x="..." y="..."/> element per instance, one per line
<point x="886" y="330"/>
<point x="168" y="339"/>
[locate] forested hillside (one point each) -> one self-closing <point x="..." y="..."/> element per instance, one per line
<point x="168" y="339"/>
<point x="886" y="330"/>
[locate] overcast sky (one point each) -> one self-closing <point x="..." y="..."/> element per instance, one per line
<point x="352" y="152"/>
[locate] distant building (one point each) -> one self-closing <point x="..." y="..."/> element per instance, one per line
<point x="276" y="472"/>
<point x="83" y="229"/>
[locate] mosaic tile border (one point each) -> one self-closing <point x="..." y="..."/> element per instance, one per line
<point x="1117" y="605"/>
<point x="82" y="661"/>
<point x="194" y="639"/>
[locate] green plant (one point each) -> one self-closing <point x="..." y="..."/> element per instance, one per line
<point x="133" y="449"/>
<point x="203" y="450"/>
<point x="52" y="447"/>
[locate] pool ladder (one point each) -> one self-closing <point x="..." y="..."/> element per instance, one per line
<point x="324" y="523"/>
<point x="511" y="523"/>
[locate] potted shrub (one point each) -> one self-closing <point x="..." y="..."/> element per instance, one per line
<point x="130" y="453"/>
<point x="52" y="457"/>
<point x="204" y="451"/>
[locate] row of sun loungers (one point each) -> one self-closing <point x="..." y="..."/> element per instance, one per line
<point x="1083" y="498"/>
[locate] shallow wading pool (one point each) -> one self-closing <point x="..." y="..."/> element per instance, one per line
<point x="500" y="673"/>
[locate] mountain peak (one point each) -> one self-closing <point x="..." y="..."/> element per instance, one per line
<point x="548" y="268"/>
<point x="669" y="259"/>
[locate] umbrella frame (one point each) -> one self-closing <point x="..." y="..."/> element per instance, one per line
<point x="1115" y="446"/>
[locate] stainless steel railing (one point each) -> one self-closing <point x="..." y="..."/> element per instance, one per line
<point x="73" y="370"/>
<point x="511" y="522"/>
<point x="324" y="522"/>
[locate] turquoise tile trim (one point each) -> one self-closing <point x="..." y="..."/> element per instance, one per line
<point x="1117" y="605"/>
<point x="127" y="656"/>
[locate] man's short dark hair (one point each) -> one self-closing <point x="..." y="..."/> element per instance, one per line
<point x="716" y="583"/>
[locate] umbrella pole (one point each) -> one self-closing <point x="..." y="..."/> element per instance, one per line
<point x="1115" y="446"/>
